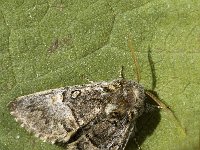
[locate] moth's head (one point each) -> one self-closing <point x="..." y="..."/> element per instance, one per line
<point x="134" y="98"/>
<point x="128" y="99"/>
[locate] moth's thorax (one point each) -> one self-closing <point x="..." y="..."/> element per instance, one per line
<point x="127" y="97"/>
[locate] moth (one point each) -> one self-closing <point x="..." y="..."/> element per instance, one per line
<point x="99" y="116"/>
<point x="95" y="116"/>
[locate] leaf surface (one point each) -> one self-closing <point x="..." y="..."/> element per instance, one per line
<point x="47" y="44"/>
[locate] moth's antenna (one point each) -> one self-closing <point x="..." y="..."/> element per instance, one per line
<point x="148" y="93"/>
<point x="137" y="68"/>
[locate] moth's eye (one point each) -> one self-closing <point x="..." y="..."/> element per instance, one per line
<point x="75" y="93"/>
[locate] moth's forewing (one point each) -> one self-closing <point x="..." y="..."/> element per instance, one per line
<point x="99" y="115"/>
<point x="106" y="134"/>
<point x="45" y="115"/>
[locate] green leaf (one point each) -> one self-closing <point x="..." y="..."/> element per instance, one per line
<point x="49" y="44"/>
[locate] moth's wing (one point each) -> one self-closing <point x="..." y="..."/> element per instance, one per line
<point x="106" y="134"/>
<point x="55" y="115"/>
<point x="45" y="115"/>
<point x="82" y="116"/>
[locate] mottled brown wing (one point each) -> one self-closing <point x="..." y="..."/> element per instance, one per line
<point x="45" y="115"/>
<point x="103" y="134"/>
<point x="93" y="116"/>
<point x="54" y="115"/>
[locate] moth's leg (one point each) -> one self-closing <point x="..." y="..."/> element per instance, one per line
<point x="151" y="107"/>
<point x="155" y="99"/>
<point x="86" y="78"/>
<point x="121" y="73"/>
<point x="136" y="143"/>
<point x="89" y="80"/>
<point x="161" y="105"/>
